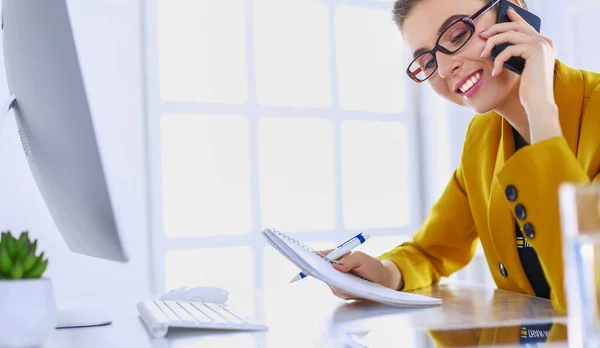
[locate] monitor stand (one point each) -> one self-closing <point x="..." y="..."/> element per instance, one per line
<point x="71" y="318"/>
<point x="82" y="318"/>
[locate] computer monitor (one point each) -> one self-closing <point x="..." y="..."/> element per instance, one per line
<point x="55" y="125"/>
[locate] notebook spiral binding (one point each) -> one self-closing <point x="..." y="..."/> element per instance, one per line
<point x="295" y="241"/>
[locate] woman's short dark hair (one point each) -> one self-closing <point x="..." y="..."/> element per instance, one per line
<point x="403" y="7"/>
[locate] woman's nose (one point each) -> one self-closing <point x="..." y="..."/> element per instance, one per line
<point x="448" y="65"/>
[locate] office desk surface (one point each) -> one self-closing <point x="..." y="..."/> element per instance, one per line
<point x="306" y="314"/>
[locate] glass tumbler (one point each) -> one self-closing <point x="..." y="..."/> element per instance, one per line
<point x="580" y="225"/>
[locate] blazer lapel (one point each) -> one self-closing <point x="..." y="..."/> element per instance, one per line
<point x="500" y="218"/>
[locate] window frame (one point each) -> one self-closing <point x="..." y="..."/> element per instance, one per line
<point x="155" y="108"/>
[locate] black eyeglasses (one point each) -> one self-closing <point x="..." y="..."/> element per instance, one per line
<point x="450" y="41"/>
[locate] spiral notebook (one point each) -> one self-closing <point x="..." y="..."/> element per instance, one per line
<point x="319" y="267"/>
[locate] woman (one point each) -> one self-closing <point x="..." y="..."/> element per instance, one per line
<point x="532" y="132"/>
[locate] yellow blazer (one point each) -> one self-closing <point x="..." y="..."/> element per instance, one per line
<point x="480" y="199"/>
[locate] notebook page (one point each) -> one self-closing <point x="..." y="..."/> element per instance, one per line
<point x="321" y="269"/>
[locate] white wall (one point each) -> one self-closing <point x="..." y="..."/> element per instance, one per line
<point x="108" y="39"/>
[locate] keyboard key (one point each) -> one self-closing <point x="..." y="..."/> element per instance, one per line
<point x="181" y="313"/>
<point x="246" y="318"/>
<point x="209" y="312"/>
<point x="225" y="313"/>
<point x="167" y="311"/>
<point x="156" y="312"/>
<point x="198" y="315"/>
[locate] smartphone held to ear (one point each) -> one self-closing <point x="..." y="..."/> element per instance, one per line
<point x="514" y="64"/>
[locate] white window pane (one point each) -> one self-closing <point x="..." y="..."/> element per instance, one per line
<point x="296" y="174"/>
<point x="206" y="175"/>
<point x="374" y="174"/>
<point x="292" y="52"/>
<point x="229" y="268"/>
<point x="584" y="34"/>
<point x="202" y="55"/>
<point x="279" y="271"/>
<point x="369" y="60"/>
<point x="376" y="246"/>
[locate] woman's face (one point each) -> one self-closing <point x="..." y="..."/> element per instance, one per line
<point x="420" y="30"/>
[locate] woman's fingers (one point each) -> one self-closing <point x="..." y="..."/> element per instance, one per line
<point x="507" y="26"/>
<point x="512" y="37"/>
<point x="517" y="23"/>
<point x="526" y="50"/>
<point x="518" y="31"/>
<point x="360" y="265"/>
<point x="349" y="261"/>
<point x="515" y="17"/>
<point x="326" y="252"/>
<point x="341" y="294"/>
<point x="338" y="293"/>
<point x="506" y="54"/>
<point x="335" y="291"/>
<point x="524" y="41"/>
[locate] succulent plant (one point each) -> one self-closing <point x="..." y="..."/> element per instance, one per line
<point x="18" y="259"/>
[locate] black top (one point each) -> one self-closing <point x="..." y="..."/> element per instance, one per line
<point x="528" y="256"/>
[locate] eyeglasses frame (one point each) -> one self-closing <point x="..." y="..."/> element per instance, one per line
<point x="469" y="21"/>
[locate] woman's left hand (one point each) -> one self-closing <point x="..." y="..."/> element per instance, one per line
<point x="536" y="89"/>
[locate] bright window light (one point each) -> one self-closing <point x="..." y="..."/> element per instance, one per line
<point x="296" y="174"/>
<point x="375" y="174"/>
<point x="292" y="53"/>
<point x="206" y="175"/>
<point x="202" y="55"/>
<point x="369" y="60"/>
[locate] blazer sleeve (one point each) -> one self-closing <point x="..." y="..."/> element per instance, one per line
<point x="445" y="242"/>
<point x="536" y="172"/>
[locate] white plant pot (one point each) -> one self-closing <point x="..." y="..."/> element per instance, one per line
<point x="28" y="312"/>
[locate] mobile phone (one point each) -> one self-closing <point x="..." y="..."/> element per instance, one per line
<point x="514" y="64"/>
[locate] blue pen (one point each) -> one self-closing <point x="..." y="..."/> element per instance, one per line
<point x="340" y="251"/>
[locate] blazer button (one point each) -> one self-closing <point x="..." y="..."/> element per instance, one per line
<point x="503" y="271"/>
<point x="520" y="211"/>
<point x="511" y="193"/>
<point x="529" y="230"/>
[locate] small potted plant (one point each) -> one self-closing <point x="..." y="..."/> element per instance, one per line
<point x="28" y="312"/>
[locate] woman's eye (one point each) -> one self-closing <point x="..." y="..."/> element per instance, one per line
<point x="459" y="37"/>
<point x="425" y="63"/>
<point x="429" y="64"/>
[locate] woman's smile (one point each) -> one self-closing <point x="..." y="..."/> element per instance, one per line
<point x="470" y="84"/>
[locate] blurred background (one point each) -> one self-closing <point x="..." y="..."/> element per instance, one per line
<point x="216" y="119"/>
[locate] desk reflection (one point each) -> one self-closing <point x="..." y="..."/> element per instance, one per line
<point x="462" y="307"/>
<point x="522" y="335"/>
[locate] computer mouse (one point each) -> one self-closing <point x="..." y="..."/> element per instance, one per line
<point x="209" y="294"/>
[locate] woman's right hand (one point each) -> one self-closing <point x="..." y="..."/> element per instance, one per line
<point x="384" y="272"/>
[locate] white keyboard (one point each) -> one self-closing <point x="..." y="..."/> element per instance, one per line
<point x="159" y="316"/>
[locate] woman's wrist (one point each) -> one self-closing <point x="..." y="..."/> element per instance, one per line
<point x="393" y="278"/>
<point x="543" y="123"/>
